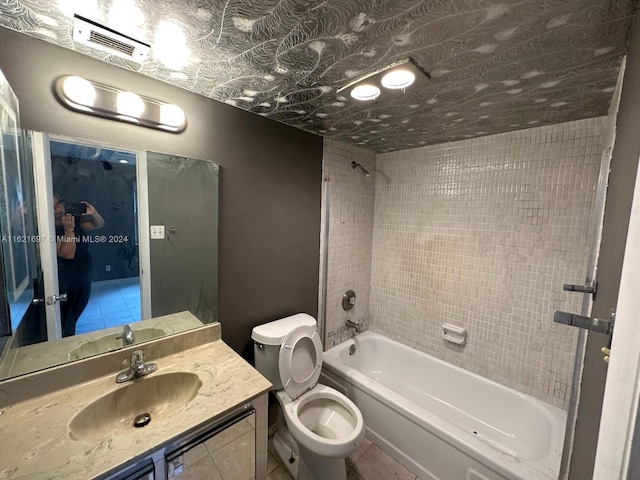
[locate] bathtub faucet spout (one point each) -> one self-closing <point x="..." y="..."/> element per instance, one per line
<point x="355" y="324"/>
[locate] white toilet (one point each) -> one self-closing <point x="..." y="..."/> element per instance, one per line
<point x="318" y="427"/>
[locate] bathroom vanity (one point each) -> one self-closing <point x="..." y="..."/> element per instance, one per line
<point x="75" y="421"/>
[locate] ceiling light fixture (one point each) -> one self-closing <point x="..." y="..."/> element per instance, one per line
<point x="395" y="78"/>
<point x="79" y="91"/>
<point x="365" y="92"/>
<point x="129" y="104"/>
<point x="399" y="78"/>
<point x="170" y="45"/>
<point x="93" y="98"/>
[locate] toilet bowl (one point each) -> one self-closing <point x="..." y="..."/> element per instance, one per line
<point x="324" y="421"/>
<point x="318" y="427"/>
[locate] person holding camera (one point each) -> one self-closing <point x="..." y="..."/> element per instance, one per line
<point x="74" y="259"/>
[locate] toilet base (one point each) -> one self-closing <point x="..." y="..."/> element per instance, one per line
<point x="303" y="464"/>
<point x="315" y="467"/>
<point x="286" y="453"/>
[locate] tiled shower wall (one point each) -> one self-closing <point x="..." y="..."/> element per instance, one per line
<point x="479" y="233"/>
<point x="482" y="234"/>
<point x="349" y="197"/>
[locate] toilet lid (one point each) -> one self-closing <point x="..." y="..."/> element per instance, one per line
<point x="300" y="360"/>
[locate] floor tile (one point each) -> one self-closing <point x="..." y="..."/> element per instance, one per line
<point x="115" y="320"/>
<point x="251" y="419"/>
<point x="272" y="463"/>
<point x="204" y="469"/>
<point x="116" y="311"/>
<point x="363" y="447"/>
<point x="86" y="328"/>
<point x="236" y="460"/>
<point x="93" y="309"/>
<point x="112" y="303"/>
<point x="279" y="473"/>
<point x="353" y="475"/>
<point x="375" y="464"/>
<point x="107" y="297"/>
<point x="90" y="320"/>
<point x="227" y="435"/>
<point x="130" y="294"/>
<point x="194" y="455"/>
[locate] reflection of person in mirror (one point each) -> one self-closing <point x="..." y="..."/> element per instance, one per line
<point x="74" y="260"/>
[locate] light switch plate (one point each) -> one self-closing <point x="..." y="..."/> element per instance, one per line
<point x="157" y="232"/>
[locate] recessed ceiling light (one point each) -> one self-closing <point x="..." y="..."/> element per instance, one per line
<point x="365" y="92"/>
<point x="399" y="78"/>
<point x="170" y="45"/>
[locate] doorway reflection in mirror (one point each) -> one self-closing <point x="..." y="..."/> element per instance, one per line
<point x="108" y="265"/>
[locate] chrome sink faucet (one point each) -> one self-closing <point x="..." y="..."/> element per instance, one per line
<point x="127" y="336"/>
<point x="137" y="369"/>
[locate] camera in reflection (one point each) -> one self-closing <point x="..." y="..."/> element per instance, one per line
<point x="75" y="209"/>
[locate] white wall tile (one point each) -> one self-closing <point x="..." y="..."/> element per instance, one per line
<point x="479" y="233"/>
<point x="351" y="233"/>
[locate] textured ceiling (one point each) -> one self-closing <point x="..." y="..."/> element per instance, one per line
<point x="496" y="66"/>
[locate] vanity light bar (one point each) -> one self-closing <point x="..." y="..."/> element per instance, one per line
<point x="85" y="96"/>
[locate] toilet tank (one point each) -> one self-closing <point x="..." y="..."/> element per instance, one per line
<point x="267" y="339"/>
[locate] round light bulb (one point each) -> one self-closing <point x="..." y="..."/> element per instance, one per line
<point x="79" y="91"/>
<point x="130" y="104"/>
<point x="398" y="79"/>
<point x="365" y="92"/>
<point x="171" y="115"/>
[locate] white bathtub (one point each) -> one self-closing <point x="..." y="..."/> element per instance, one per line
<point x="443" y="422"/>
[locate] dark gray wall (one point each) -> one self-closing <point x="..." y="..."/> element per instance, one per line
<point x="270" y="178"/>
<point x="624" y="165"/>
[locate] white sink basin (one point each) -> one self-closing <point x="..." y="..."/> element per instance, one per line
<point x="159" y="395"/>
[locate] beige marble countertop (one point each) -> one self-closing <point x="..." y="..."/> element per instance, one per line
<point x="31" y="358"/>
<point x="36" y="444"/>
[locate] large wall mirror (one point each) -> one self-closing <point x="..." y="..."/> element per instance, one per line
<point x="101" y="246"/>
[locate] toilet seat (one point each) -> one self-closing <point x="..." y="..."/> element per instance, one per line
<point x="300" y="360"/>
<point x="342" y="418"/>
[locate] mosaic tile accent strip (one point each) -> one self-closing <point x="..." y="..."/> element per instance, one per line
<point x="482" y="233"/>
<point x="350" y="235"/>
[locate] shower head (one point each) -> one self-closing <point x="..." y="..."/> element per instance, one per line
<point x="364" y="171"/>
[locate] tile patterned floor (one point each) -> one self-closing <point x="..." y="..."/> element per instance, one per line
<point x="112" y="303"/>
<point x="230" y="456"/>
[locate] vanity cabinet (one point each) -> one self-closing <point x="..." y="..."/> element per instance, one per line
<point x="230" y="445"/>
<point x="67" y="422"/>
<point x="227" y="449"/>
<point x="143" y="471"/>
